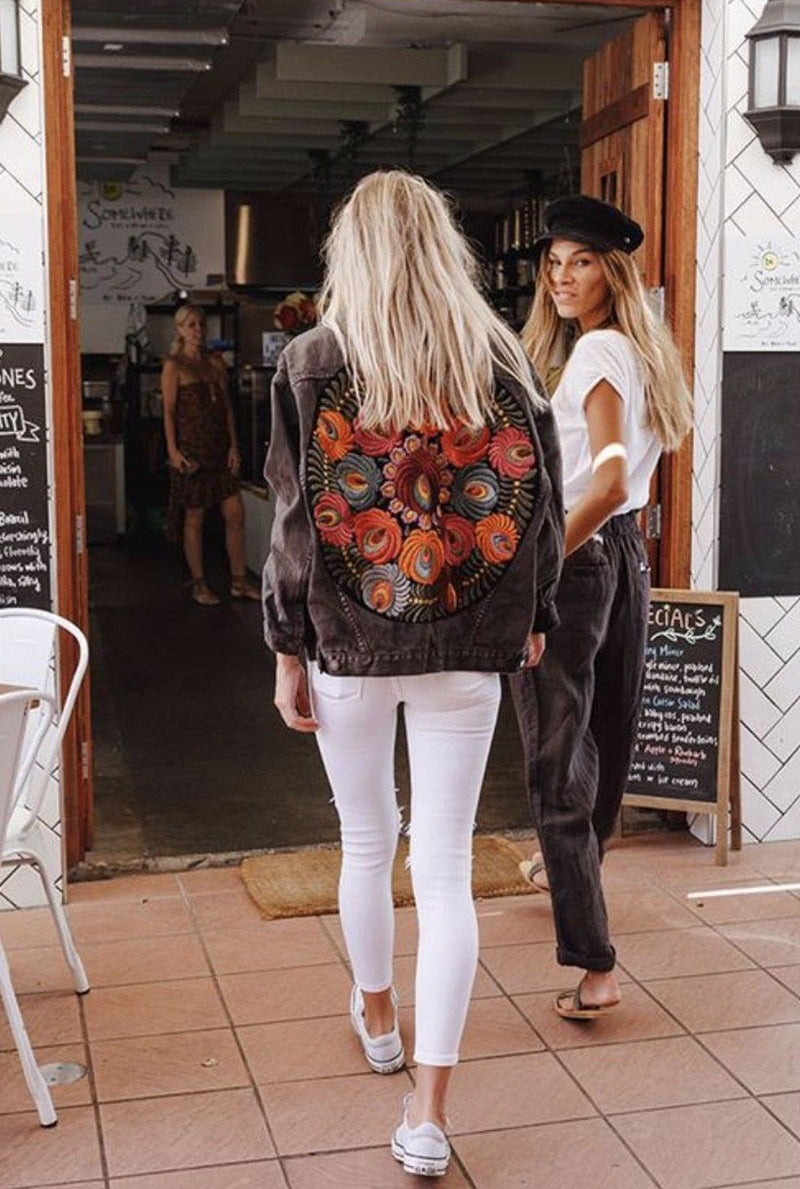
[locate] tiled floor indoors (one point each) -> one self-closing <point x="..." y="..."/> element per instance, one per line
<point x="221" y="1057"/>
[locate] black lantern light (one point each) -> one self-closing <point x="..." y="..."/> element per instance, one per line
<point x="774" y="88"/>
<point x="11" y="80"/>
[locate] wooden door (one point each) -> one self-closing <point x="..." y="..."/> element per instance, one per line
<point x="622" y="162"/>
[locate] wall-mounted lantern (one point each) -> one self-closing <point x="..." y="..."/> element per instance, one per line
<point x="11" y="80"/>
<point x="774" y="87"/>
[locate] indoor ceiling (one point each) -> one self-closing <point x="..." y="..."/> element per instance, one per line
<point x="277" y="94"/>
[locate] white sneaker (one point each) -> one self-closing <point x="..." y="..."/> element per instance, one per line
<point x="422" y="1151"/>
<point x="384" y="1054"/>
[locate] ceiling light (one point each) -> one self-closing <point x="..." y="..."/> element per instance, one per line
<point x="119" y="126"/>
<point x="112" y="47"/>
<point x="112" y="160"/>
<point x="142" y="62"/>
<point x="141" y="36"/>
<point x="126" y="109"/>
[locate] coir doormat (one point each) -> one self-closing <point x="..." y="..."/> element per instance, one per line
<point x="305" y="883"/>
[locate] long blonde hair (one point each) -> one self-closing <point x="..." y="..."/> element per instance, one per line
<point x="400" y="294"/>
<point x="180" y="317"/>
<point x="669" y="402"/>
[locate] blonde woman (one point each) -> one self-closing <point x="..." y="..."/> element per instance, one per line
<point x="203" y="455"/>
<point x="621" y="399"/>
<point x="415" y="552"/>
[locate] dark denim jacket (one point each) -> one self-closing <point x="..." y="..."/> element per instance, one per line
<point x="406" y="553"/>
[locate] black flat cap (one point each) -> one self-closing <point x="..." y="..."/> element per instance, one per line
<point x="588" y="221"/>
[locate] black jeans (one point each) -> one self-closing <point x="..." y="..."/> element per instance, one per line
<point x="578" y="712"/>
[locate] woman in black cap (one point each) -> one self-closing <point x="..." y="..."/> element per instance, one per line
<point x="620" y="400"/>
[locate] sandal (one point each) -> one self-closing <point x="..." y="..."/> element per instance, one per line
<point x="570" y="1006"/>
<point x="242" y="589"/>
<point x="202" y="594"/>
<point x="530" y="868"/>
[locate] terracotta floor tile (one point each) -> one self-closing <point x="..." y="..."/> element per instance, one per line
<point x="210" y="879"/>
<point x="638" y="1018"/>
<point x="770" y="943"/>
<point x="371" y="1168"/>
<point x="101" y="920"/>
<point x="27" y="927"/>
<point x="222" y="910"/>
<point x="523" y="969"/>
<point x="787" y="1109"/>
<point x="709" y="1002"/>
<point x="513" y="1092"/>
<point x="405" y="967"/>
<point x="335" y="1114"/>
<point x="720" y="910"/>
<point x="700" y="1147"/>
<point x="766" y="1059"/>
<point x="676" y="952"/>
<point x="41" y="969"/>
<point x="184" y="1132"/>
<point x="260" y="1174"/>
<point x="178" y="1063"/>
<point x="146" y="1009"/>
<point x="646" y="910"/>
<point x="647" y="1074"/>
<point x="494" y="1029"/>
<point x="788" y="976"/>
<point x="144" y="960"/>
<point x="522" y="919"/>
<point x="51" y="1018"/>
<point x="14" y="1095"/>
<point x="124" y="887"/>
<point x="295" y="1050"/>
<point x="32" y="1155"/>
<point x="558" y="1156"/>
<point x="778" y="858"/>
<point x="264" y="996"/>
<point x="270" y="945"/>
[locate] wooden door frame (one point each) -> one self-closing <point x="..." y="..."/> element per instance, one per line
<point x="63" y="333"/>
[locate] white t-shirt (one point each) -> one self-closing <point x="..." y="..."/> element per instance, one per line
<point x="604" y="355"/>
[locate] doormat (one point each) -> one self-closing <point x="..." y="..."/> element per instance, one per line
<point x="305" y="883"/>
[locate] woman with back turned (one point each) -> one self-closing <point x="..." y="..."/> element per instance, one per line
<point x="415" y="553"/>
<point x="621" y="399"/>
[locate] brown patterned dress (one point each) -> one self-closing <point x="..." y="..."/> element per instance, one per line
<point x="201" y="430"/>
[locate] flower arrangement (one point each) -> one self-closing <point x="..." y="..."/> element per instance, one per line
<point x="295" y="313"/>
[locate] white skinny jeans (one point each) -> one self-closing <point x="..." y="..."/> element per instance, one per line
<point x="450" y="720"/>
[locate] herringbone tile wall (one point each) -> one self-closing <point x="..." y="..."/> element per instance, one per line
<point x="742" y="193"/>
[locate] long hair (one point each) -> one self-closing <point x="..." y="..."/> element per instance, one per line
<point x="400" y="294"/>
<point x="179" y="318"/>
<point x="669" y="402"/>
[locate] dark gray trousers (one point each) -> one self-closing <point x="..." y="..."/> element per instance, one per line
<point x="578" y="712"/>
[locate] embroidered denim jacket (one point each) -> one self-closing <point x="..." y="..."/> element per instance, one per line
<point x="407" y="552"/>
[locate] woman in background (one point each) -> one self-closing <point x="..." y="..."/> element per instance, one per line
<point x="203" y="454"/>
<point x="621" y="400"/>
<point x="415" y="551"/>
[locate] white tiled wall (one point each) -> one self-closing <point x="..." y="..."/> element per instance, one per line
<point x="22" y="197"/>
<point x="749" y="196"/>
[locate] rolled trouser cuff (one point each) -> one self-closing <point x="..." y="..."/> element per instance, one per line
<point x="602" y="964"/>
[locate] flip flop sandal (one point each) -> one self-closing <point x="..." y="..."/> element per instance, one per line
<point x="529" y="869"/>
<point x="570" y="1006"/>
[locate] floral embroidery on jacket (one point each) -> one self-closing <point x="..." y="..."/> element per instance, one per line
<point x="419" y="524"/>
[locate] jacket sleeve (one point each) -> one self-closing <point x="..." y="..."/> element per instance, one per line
<point x="288" y="563"/>
<point x="550" y="546"/>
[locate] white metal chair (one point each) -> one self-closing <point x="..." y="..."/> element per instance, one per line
<point x="29" y="657"/>
<point x="17" y="755"/>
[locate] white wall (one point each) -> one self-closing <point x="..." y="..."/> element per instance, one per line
<point x="139" y="241"/>
<point x="742" y="193"/>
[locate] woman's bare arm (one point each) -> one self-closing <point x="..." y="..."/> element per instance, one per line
<point x="608" y="489"/>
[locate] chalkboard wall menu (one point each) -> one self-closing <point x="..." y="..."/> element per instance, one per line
<point x="24" y="531"/>
<point x="683" y="749"/>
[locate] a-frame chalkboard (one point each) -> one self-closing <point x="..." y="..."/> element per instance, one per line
<point x="687" y="750"/>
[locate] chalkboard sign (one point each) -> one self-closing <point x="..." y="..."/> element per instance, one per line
<point x="688" y="727"/>
<point x="24" y="529"/>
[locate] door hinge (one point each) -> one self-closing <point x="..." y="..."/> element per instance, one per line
<point x="661" y="80"/>
<point x="653" y="522"/>
<point x="73" y="299"/>
<point x="66" y="57"/>
<point x="85" y="759"/>
<point x="80" y="536"/>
